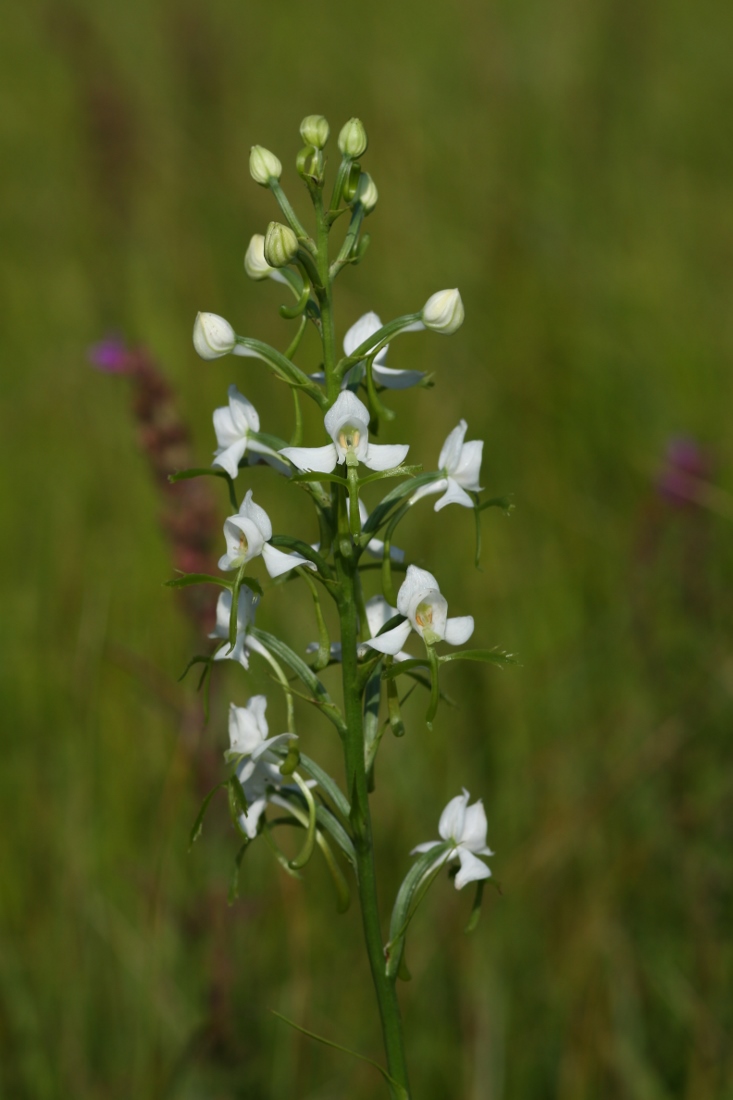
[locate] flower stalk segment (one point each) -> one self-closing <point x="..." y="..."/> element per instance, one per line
<point x="370" y="649"/>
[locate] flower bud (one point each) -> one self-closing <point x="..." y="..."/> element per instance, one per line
<point x="310" y="164"/>
<point x="366" y="192"/>
<point x="443" y="312"/>
<point x="281" y="245"/>
<point x="213" y="336"/>
<point x="353" y="139"/>
<point x="255" y="264"/>
<point x="264" y="165"/>
<point x="314" y="131"/>
<point x="351" y="183"/>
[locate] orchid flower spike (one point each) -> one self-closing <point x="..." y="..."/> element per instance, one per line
<point x="464" y="828"/>
<point x="460" y="465"/>
<point x="426" y="611"/>
<point x="245" y="643"/>
<point x="248" y="534"/>
<point x="385" y="376"/>
<point x="248" y="732"/>
<point x="347" y="422"/>
<point x="233" y="425"/>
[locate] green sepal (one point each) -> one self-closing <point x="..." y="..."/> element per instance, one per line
<point x="233" y="893"/>
<point x="413" y="889"/>
<point x="184" y="475"/>
<point x="198" y="825"/>
<point x="327" y="784"/>
<point x="476" y="907"/>
<point x="494" y="656"/>
<point x="289" y="313"/>
<point x="304" y="673"/>
<point x="188" y="579"/>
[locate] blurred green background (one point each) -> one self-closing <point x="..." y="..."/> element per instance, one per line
<point x="568" y="166"/>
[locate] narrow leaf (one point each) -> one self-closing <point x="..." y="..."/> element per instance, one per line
<point x="476" y="907"/>
<point x="494" y="656"/>
<point x="198" y="824"/>
<point x="185" y="475"/>
<point x="198" y="578"/>
<point x="327" y="784"/>
<point x="234" y="881"/>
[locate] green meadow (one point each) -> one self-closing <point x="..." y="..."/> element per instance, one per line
<point x="569" y="167"/>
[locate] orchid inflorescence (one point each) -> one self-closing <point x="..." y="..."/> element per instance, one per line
<point x="348" y="389"/>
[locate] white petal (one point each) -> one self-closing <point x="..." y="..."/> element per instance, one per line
<point x="360" y="331"/>
<point x="426" y="490"/>
<point x="277" y="562"/>
<point x="271" y="744"/>
<point x="258" y="516"/>
<point x="417" y="582"/>
<point x="454" y="494"/>
<point x="468" y="469"/>
<point x="428" y="844"/>
<point x="393" y="641"/>
<point x="244" y="414"/>
<point x="228" y="457"/>
<point x="473" y="836"/>
<point x="321" y="459"/>
<point x="472" y="869"/>
<point x="385" y="457"/>
<point x="250" y="820"/>
<point x="346" y="409"/>
<point x="395" y="379"/>
<point x="378" y="612"/>
<point x="451" y="451"/>
<point x="459" y="630"/>
<point x="451" y="821"/>
<point x="226" y="430"/>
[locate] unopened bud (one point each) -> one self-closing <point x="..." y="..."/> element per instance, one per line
<point x="281" y="245"/>
<point x="366" y="192"/>
<point x="353" y="139"/>
<point x="443" y="312"/>
<point x="213" y="336"/>
<point x="351" y="183"/>
<point x="314" y="131"/>
<point x="255" y="264"/>
<point x="264" y="165"/>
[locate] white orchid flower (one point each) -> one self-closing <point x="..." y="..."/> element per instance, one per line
<point x="359" y="332"/>
<point x="460" y="464"/>
<point x="233" y="424"/>
<point x="378" y="612"/>
<point x="347" y="422"/>
<point x="248" y="535"/>
<point x="248" y="733"/>
<point x="246" y="608"/>
<point x="426" y="610"/>
<point x="464" y="827"/>
<point x="375" y="546"/>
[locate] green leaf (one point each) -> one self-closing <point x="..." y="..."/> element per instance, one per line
<point x="185" y="475"/>
<point x="327" y="784"/>
<point x="399" y="1091"/>
<point x="287" y="542"/>
<point x="395" y="471"/>
<point x="476" y="907"/>
<point x="494" y="656"/>
<point x="303" y="672"/>
<point x="238" y="804"/>
<point x="234" y="881"/>
<point x="381" y="512"/>
<point x="198" y="824"/>
<point x="199" y="578"/>
<point x="194" y="661"/>
<point x="333" y="826"/>
<point x="411" y="892"/>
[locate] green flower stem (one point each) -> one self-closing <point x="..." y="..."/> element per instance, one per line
<point x="346" y="554"/>
<point x="292" y="217"/>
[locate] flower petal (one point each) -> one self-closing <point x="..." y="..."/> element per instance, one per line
<point x="436" y="486"/>
<point x="416" y="583"/>
<point x="395" y="379"/>
<point x="278" y="562"/>
<point x="451" y="451"/>
<point x="451" y="821"/>
<point x="459" y="629"/>
<point x="360" y="331"/>
<point x="244" y="414"/>
<point x="393" y="640"/>
<point x="468" y="469"/>
<point x="321" y="459"/>
<point x="386" y="456"/>
<point x="474" y="828"/>
<point x="472" y="869"/>
<point x="228" y="457"/>
<point x="347" y="409"/>
<point x="425" y="847"/>
<point x="257" y="515"/>
<point x="454" y="494"/>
